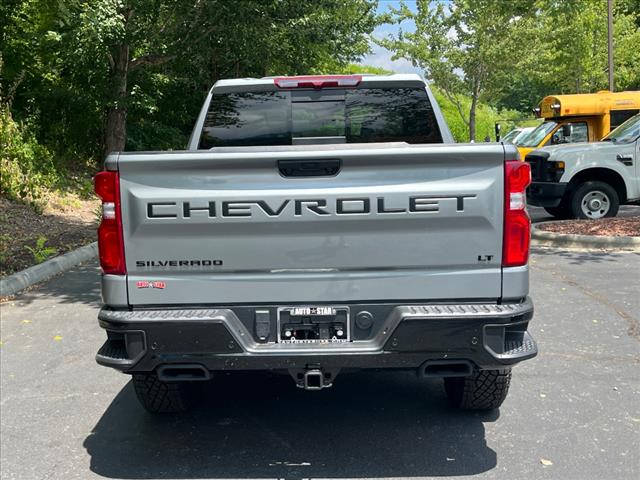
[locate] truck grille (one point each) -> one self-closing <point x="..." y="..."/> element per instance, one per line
<point x="539" y="167"/>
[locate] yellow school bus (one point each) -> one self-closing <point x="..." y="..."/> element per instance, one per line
<point x="585" y="117"/>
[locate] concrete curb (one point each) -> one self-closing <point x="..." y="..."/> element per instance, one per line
<point x="45" y="270"/>
<point x="550" y="239"/>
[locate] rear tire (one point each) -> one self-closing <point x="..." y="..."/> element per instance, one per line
<point x="157" y="396"/>
<point x="484" y="390"/>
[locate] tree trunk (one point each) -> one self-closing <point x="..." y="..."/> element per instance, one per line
<point x="472" y="119"/>
<point x="116" y="129"/>
<point x="472" y="111"/>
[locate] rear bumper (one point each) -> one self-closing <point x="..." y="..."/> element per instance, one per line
<point x="488" y="335"/>
<point x="545" y="194"/>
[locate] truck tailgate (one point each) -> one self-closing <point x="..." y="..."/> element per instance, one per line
<point x="397" y="223"/>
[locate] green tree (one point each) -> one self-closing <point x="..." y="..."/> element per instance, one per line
<point x="561" y="47"/>
<point x="512" y="54"/>
<point x="486" y="117"/>
<point x="208" y="39"/>
<point x="354" y="68"/>
<point x="86" y="71"/>
<point x="459" y="44"/>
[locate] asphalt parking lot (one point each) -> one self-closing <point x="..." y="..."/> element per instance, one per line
<point x="573" y="412"/>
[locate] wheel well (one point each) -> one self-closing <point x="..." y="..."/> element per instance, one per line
<point x="611" y="177"/>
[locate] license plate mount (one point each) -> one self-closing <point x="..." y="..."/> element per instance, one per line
<point x="313" y="324"/>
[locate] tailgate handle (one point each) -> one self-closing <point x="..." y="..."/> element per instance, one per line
<point x="309" y="168"/>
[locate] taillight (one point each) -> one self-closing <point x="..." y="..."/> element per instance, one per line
<point x="517" y="225"/>
<point x="110" y="240"/>
<point x="318" y="81"/>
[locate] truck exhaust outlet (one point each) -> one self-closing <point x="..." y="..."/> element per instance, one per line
<point x="446" y="368"/>
<point x="183" y="373"/>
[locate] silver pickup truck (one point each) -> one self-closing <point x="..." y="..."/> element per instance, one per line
<point x="316" y="225"/>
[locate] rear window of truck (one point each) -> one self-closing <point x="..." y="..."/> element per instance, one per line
<point x="362" y="115"/>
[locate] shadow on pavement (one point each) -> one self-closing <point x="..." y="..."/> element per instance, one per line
<point x="81" y="285"/>
<point x="581" y="257"/>
<point x="371" y="424"/>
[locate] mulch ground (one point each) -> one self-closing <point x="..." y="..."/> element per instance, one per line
<point x="68" y="222"/>
<point x="610" y="227"/>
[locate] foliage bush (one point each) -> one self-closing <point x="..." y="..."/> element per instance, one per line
<point x="40" y="252"/>
<point x="27" y="168"/>
<point x="486" y="118"/>
<point x="155" y="135"/>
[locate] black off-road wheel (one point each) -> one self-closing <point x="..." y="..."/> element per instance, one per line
<point x="162" y="397"/>
<point x="484" y="390"/>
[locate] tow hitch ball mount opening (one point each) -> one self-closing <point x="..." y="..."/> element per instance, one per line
<point x="314" y="378"/>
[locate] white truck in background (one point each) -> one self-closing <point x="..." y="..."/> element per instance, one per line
<point x="588" y="180"/>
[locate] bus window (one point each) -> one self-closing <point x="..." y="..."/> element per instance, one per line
<point x="618" y="117"/>
<point x="579" y="133"/>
